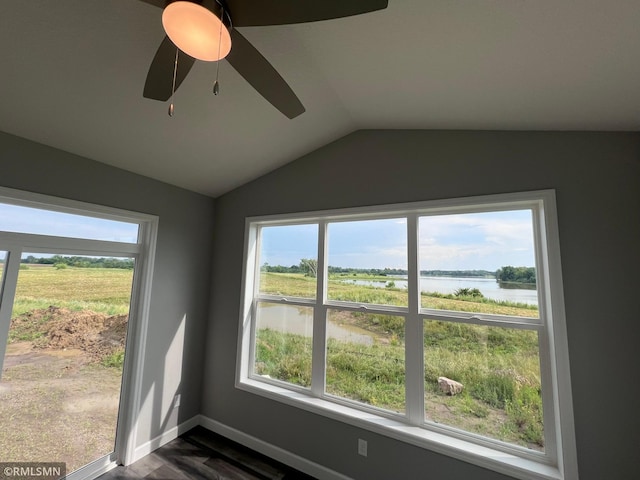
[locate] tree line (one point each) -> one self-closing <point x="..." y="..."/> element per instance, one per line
<point x="516" y="274"/>
<point x="309" y="267"/>
<point x="81" y="262"/>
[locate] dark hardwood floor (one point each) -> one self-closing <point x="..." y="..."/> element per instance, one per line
<point x="200" y="454"/>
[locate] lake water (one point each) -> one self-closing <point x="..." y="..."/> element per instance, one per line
<point x="299" y="321"/>
<point x="488" y="286"/>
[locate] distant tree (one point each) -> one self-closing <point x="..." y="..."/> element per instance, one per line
<point x="516" y="274"/>
<point x="309" y="266"/>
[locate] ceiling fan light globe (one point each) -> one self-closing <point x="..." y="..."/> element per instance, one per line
<point x="196" y="31"/>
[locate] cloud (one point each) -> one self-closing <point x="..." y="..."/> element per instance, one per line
<point x="476" y="241"/>
<point x="484" y="241"/>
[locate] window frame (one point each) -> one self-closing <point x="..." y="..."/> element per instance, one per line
<point x="558" y="461"/>
<point x="143" y="251"/>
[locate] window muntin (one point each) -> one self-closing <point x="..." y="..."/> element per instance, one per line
<point x="38" y="221"/>
<point x="378" y="246"/>
<point x="547" y="325"/>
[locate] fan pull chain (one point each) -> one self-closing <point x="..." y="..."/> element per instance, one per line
<point x="173" y="87"/>
<point x="216" y="85"/>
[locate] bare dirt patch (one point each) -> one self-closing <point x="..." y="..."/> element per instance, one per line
<point x="95" y="334"/>
<point x="58" y="398"/>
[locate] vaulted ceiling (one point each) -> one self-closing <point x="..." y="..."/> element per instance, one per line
<point x="72" y="74"/>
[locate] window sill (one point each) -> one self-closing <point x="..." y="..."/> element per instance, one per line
<point x="482" y="456"/>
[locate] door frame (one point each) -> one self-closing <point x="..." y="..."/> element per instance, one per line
<point x="143" y="251"/>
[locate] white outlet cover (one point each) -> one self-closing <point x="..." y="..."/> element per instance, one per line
<point x="362" y="447"/>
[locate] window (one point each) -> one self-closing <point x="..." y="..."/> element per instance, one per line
<point x="440" y="324"/>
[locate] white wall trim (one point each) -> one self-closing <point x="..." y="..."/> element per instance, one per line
<point x="299" y="463"/>
<point x="165" y="437"/>
<point x="284" y="456"/>
<point x="93" y="469"/>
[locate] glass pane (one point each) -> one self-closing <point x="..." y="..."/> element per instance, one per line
<point x="3" y="259"/>
<point x="368" y="261"/>
<point x="498" y="372"/>
<point x="60" y="387"/>
<point x="479" y="262"/>
<point x="283" y="342"/>
<point x="19" y="219"/>
<point x="365" y="358"/>
<point x="289" y="260"/>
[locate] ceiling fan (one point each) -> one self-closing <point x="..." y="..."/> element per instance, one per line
<point x="188" y="22"/>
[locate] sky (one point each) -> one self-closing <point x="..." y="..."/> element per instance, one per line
<point x="19" y="219"/>
<point x="477" y="241"/>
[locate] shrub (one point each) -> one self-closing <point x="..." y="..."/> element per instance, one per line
<point x="473" y="293"/>
<point x="114" y="359"/>
<point x="495" y="390"/>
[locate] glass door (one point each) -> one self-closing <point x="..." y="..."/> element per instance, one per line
<point x="70" y="304"/>
<point x="63" y="362"/>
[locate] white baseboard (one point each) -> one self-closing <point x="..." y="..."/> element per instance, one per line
<point x="299" y="463"/>
<point x="165" y="437"/>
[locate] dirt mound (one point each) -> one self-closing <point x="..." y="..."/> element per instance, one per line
<point x="96" y="334"/>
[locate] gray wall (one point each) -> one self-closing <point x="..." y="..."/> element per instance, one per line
<point x="596" y="177"/>
<point x="181" y="278"/>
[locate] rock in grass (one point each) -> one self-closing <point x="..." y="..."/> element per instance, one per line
<point x="448" y="386"/>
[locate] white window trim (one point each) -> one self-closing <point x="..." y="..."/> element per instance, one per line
<point x="144" y="253"/>
<point x="559" y="461"/>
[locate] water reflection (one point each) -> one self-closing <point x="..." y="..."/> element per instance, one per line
<point x="299" y="321"/>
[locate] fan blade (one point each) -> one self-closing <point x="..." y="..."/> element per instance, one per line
<point x="262" y="76"/>
<point x="247" y="13"/>
<point x="157" y="3"/>
<point x="160" y="77"/>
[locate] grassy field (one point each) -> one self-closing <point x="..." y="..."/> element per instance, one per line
<point x="499" y="367"/>
<point x="101" y="290"/>
<point x="340" y="288"/>
<point x="61" y="403"/>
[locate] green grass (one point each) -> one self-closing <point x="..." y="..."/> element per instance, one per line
<point x="114" y="360"/>
<point x="102" y="290"/>
<point x="499" y="367"/>
<point x="500" y="384"/>
<point x="28" y="330"/>
<point x="99" y="290"/>
<point x="371" y="374"/>
<point x="289" y="284"/>
<point x="297" y="285"/>
<point x="284" y="357"/>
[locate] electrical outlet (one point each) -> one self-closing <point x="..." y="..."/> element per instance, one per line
<point x="176" y="400"/>
<point x="362" y="447"/>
